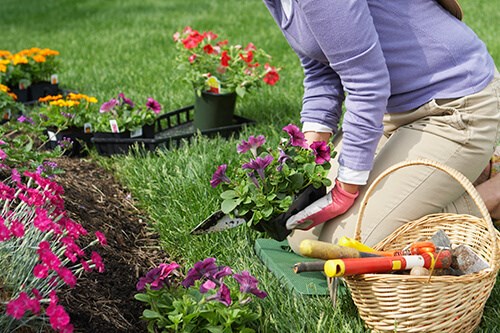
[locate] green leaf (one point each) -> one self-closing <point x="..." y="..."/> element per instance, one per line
<point x="150" y="314"/>
<point x="240" y="91"/>
<point x="229" y="194"/>
<point x="228" y="205"/>
<point x="142" y="297"/>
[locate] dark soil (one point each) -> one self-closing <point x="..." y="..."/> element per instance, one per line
<point x="104" y="302"/>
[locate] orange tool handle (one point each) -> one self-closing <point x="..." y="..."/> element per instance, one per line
<point x="353" y="266"/>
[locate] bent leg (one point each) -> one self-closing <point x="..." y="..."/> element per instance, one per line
<point x="460" y="133"/>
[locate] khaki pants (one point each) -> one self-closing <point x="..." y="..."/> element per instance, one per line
<point x="460" y="133"/>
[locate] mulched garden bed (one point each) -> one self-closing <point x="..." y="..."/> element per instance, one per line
<point x="104" y="302"/>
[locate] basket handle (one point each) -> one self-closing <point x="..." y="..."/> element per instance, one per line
<point x="459" y="177"/>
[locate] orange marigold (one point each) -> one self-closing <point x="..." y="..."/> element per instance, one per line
<point x="39" y="58"/>
<point x="50" y="98"/>
<point x="5" y="54"/>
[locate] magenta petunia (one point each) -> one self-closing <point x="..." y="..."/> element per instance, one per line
<point x="223" y="295"/>
<point x="125" y="100"/>
<point x="252" y="144"/>
<point x="297" y="138"/>
<point x="322" y="152"/>
<point x="109" y="105"/>
<point x="248" y="284"/>
<point x="204" y="268"/>
<point x="219" y="176"/>
<point x="153" y="105"/>
<point x="259" y="164"/>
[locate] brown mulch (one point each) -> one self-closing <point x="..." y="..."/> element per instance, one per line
<point x="104" y="302"/>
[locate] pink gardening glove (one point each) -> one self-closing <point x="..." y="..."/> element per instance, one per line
<point x="334" y="203"/>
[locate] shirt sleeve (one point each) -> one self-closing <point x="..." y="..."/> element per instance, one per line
<point x="345" y="32"/>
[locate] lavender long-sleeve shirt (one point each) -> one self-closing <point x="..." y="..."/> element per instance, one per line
<point x="384" y="56"/>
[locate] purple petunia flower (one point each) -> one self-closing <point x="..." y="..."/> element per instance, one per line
<point x="282" y="159"/>
<point x="23" y="119"/>
<point x="322" y="152"/>
<point x="153" y="105"/>
<point x="259" y="164"/>
<point x="248" y="284"/>
<point x="125" y="100"/>
<point x="157" y="277"/>
<point x="204" y="268"/>
<point x="223" y="295"/>
<point x="254" y="180"/>
<point x="219" y="176"/>
<point x="297" y="138"/>
<point x="252" y="144"/>
<point x="67" y="115"/>
<point x="108" y="106"/>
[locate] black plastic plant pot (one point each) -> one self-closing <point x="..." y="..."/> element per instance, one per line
<point x="78" y="137"/>
<point x="276" y="228"/>
<point x="22" y="94"/>
<point x="42" y="89"/>
<point x="213" y="110"/>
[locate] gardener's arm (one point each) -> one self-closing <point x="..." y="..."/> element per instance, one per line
<point x="355" y="56"/>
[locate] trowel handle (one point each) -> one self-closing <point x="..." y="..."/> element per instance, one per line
<point x="354" y="266"/>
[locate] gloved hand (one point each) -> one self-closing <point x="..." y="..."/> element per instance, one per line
<point x="334" y="203"/>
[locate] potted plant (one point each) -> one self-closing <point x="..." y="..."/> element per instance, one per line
<point x="121" y="117"/>
<point x="209" y="298"/>
<point x="218" y="72"/>
<point x="8" y="105"/>
<point x="268" y="185"/>
<point x="31" y="73"/>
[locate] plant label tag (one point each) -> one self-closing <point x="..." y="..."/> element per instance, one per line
<point x="54" y="79"/>
<point x="7" y="114"/>
<point x="135" y="133"/>
<point x="114" y="126"/>
<point x="52" y="136"/>
<point x="87" y="128"/>
<point x="213" y="84"/>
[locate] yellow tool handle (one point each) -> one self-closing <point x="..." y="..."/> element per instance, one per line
<point x="324" y="250"/>
<point x="352" y="243"/>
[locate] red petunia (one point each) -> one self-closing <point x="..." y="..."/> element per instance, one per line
<point x="208" y="49"/>
<point x="224" y="59"/>
<point x="271" y="76"/>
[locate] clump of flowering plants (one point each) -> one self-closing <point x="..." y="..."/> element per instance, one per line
<point x="266" y="180"/>
<point x="210" y="298"/>
<point x="211" y="64"/>
<point x="28" y="66"/>
<point x="40" y="252"/>
<point x="72" y="110"/>
<point x="127" y="114"/>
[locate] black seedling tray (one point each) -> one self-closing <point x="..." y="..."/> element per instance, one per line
<point x="172" y="129"/>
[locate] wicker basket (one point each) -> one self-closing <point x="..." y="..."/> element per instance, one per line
<point x="404" y="303"/>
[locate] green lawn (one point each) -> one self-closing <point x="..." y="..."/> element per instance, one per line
<point x="115" y="46"/>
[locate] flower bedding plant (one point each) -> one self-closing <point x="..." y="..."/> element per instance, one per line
<point x="73" y="110"/>
<point x="27" y="66"/>
<point x="211" y="64"/>
<point x="8" y="104"/>
<point x="126" y="113"/>
<point x="210" y="298"/>
<point x="40" y="252"/>
<point x="23" y="142"/>
<point x="266" y="180"/>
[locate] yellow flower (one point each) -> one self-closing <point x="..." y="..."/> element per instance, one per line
<point x="19" y="59"/>
<point x="77" y="97"/>
<point x="14" y="96"/>
<point x="4" y="88"/>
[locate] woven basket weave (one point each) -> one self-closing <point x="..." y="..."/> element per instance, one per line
<point x="404" y="303"/>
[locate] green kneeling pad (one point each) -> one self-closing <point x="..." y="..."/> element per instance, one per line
<point x="279" y="259"/>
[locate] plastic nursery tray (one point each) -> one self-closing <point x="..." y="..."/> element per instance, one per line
<point x="172" y="129"/>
